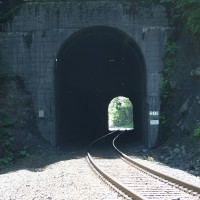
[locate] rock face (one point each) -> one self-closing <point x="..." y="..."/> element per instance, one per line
<point x="195" y="72"/>
<point x="182" y="109"/>
<point x="17" y="102"/>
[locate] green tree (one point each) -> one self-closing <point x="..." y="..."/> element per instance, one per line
<point x="187" y="12"/>
<point x="120" y="113"/>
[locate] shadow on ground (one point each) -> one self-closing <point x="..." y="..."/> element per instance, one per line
<point x="44" y="156"/>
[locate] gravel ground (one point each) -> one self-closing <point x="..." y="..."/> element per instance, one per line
<point x="49" y="175"/>
<point x="176" y="173"/>
<point x="149" y="159"/>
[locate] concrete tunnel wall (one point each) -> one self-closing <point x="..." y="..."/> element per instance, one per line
<point x="95" y="65"/>
<point x="32" y="40"/>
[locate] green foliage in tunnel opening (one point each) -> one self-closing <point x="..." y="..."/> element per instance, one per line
<point x="170" y="50"/>
<point x="120" y="113"/>
<point x="186" y="13"/>
<point x="197" y="130"/>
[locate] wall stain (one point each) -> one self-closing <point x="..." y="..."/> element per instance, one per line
<point x="28" y="39"/>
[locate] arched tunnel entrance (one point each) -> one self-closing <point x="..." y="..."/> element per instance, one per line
<point x="93" y="66"/>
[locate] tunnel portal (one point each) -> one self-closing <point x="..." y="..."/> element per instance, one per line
<point x="93" y="66"/>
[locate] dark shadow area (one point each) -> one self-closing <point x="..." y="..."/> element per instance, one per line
<point x="43" y="156"/>
<point x="93" y="66"/>
<point x="103" y="147"/>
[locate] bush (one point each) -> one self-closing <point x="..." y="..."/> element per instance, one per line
<point x="6" y="155"/>
<point x="170" y="50"/>
<point x="187" y="12"/>
<point x="197" y="130"/>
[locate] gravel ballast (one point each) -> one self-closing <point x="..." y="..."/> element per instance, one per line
<point x="68" y="177"/>
<point x="53" y="175"/>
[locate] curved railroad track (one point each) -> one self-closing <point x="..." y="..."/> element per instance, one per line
<point x="132" y="178"/>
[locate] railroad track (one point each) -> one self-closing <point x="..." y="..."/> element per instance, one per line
<point x="132" y="178"/>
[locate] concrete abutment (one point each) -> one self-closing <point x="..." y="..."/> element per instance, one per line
<point x="32" y="44"/>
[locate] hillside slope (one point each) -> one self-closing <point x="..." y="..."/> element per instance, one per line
<point x="182" y="109"/>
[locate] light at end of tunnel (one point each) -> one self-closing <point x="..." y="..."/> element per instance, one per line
<point x="120" y="129"/>
<point x="41" y="113"/>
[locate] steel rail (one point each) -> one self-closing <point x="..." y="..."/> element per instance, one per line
<point x="167" y="177"/>
<point x="185" y="187"/>
<point x="118" y="185"/>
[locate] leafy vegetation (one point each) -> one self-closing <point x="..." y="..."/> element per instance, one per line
<point x="186" y="12"/>
<point x="163" y="120"/>
<point x="170" y="50"/>
<point x="23" y="153"/>
<point x="6" y="140"/>
<point x="120" y="113"/>
<point x="7" y="159"/>
<point x="9" y="148"/>
<point x="197" y="130"/>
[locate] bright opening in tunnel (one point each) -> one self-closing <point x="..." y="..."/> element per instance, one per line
<point x="120" y="114"/>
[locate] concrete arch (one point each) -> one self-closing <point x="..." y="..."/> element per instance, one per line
<point x="93" y="66"/>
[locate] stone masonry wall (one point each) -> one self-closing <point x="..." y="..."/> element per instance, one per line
<point x="31" y="41"/>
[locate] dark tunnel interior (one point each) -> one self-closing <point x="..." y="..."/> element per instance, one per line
<point x="94" y="66"/>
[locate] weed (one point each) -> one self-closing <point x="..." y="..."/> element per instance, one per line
<point x="186" y="13"/>
<point x="24" y="153"/>
<point x="150" y="158"/>
<point x="166" y="90"/>
<point x="197" y="130"/>
<point x="170" y="48"/>
<point x="6" y="160"/>
<point x="163" y="120"/>
<point x="5" y="139"/>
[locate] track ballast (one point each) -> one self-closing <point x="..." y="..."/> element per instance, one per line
<point x="132" y="178"/>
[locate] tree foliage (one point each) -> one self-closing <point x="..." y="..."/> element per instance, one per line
<point x="197" y="130"/>
<point x="120" y="113"/>
<point x="188" y="12"/>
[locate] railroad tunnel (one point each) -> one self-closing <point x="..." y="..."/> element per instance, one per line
<point x="93" y="66"/>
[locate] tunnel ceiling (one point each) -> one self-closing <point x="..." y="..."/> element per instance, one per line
<point x="100" y="61"/>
